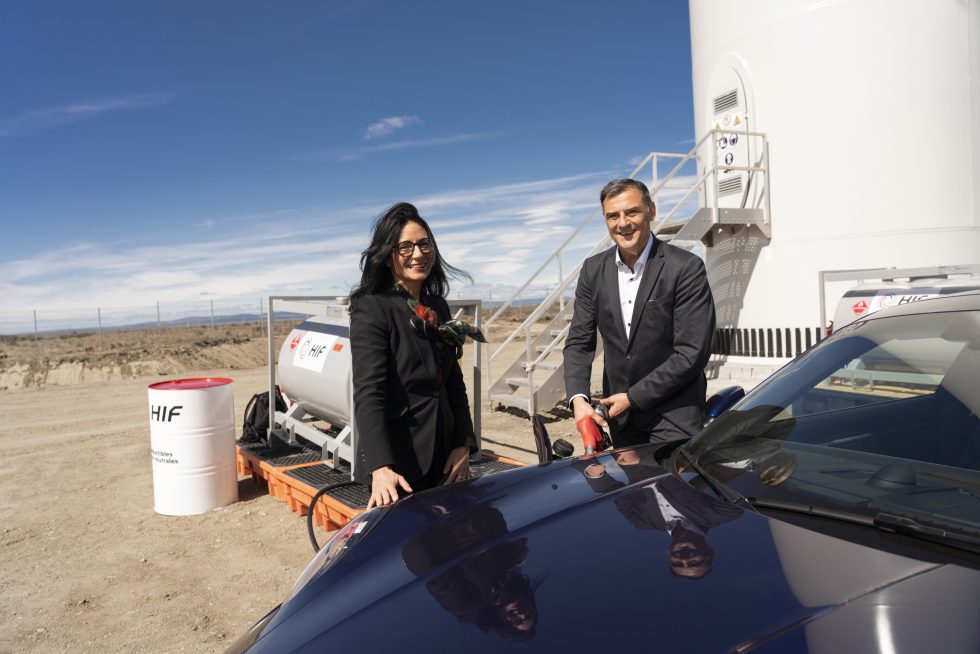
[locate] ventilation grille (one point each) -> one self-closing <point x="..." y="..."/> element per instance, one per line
<point x="726" y="101"/>
<point x="730" y="186"/>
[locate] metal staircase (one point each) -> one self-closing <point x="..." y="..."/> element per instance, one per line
<point x="729" y="192"/>
<point x="543" y="373"/>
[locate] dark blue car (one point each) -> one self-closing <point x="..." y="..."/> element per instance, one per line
<point x="836" y="508"/>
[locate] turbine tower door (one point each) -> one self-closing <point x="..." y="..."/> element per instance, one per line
<point x="728" y="110"/>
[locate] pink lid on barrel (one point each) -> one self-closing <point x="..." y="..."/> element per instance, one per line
<point x="190" y="384"/>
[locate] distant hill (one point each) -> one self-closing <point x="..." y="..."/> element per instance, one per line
<point x="188" y="321"/>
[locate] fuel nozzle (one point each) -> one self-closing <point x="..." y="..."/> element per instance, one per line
<point x="594" y="438"/>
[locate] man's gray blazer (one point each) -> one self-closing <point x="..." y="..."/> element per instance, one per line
<point x="662" y="363"/>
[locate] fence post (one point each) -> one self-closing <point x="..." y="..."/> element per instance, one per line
<point x="99" y="310"/>
<point x="261" y="326"/>
<point x="212" y="314"/>
<point x="37" y="346"/>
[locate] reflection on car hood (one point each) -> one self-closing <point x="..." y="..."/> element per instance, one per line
<point x="559" y="556"/>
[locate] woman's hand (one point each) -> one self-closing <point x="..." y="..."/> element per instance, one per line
<point x="457" y="465"/>
<point x="384" y="487"/>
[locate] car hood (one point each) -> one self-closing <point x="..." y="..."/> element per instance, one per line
<point x="568" y="556"/>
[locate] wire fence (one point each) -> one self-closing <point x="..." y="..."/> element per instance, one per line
<point x="44" y="322"/>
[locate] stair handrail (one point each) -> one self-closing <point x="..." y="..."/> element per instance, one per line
<point x="549" y="348"/>
<point x="760" y="166"/>
<point x="692" y="153"/>
<point x="663" y="221"/>
<point x="546" y="303"/>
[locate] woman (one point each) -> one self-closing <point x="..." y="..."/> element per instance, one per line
<point x="414" y="428"/>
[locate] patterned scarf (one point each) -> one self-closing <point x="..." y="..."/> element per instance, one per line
<point x="452" y="333"/>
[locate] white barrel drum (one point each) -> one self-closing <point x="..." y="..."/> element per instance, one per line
<point x="192" y="441"/>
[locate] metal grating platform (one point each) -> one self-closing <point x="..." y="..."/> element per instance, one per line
<point x="293" y="459"/>
<point x="487" y="466"/>
<point x="290" y="455"/>
<point x="355" y="496"/>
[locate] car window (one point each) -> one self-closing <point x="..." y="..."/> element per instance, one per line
<point x="895" y="370"/>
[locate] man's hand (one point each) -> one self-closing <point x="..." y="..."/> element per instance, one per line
<point x="616" y="405"/>
<point x="595" y="470"/>
<point x="627" y="458"/>
<point x="582" y="409"/>
<point x="384" y="487"/>
<point x="457" y="465"/>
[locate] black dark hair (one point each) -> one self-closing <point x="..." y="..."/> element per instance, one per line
<point x="376" y="275"/>
<point x="617" y="186"/>
<point x="516" y="586"/>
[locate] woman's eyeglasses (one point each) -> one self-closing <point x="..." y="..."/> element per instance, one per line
<point x="407" y="248"/>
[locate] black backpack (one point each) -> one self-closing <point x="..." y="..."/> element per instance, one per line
<point x="255" y="427"/>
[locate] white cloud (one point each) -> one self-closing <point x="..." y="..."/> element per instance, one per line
<point x="40" y="119"/>
<point x="358" y="152"/>
<point x="386" y="126"/>
<point x="499" y="234"/>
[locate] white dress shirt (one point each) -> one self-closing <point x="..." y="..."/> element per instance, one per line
<point x="629" y="282"/>
<point x="672" y="517"/>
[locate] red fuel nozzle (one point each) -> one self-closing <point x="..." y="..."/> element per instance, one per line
<point x="592" y="437"/>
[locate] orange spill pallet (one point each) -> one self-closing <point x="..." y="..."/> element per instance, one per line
<point x="260" y="462"/>
<point x="337" y="507"/>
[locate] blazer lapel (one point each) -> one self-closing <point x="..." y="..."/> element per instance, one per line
<point x="655" y="264"/>
<point x="609" y="289"/>
<point x="421" y="345"/>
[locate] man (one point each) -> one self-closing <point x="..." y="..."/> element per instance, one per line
<point x="668" y="504"/>
<point x="651" y="303"/>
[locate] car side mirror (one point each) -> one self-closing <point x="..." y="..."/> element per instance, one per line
<point x="722" y="401"/>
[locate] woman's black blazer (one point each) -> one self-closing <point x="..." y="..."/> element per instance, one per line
<point x="396" y="389"/>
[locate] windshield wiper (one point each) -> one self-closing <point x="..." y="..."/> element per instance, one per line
<point x="814" y="510"/>
<point x="729" y="495"/>
<point x="900" y="524"/>
<point x="892" y="523"/>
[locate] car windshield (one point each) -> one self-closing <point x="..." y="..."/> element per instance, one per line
<point x="880" y="419"/>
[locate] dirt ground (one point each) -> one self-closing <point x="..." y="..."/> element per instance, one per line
<point x="86" y="565"/>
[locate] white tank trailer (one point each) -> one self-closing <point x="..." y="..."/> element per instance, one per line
<point x="315" y="375"/>
<point x="872" y="113"/>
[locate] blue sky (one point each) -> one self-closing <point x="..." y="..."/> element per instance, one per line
<point x="178" y="151"/>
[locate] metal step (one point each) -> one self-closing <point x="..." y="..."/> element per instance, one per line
<point x="517" y="381"/>
<point x="518" y="398"/>
<point x="699" y="226"/>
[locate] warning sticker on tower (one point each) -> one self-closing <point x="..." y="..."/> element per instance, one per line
<point x="312" y="350"/>
<point x="859" y="307"/>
